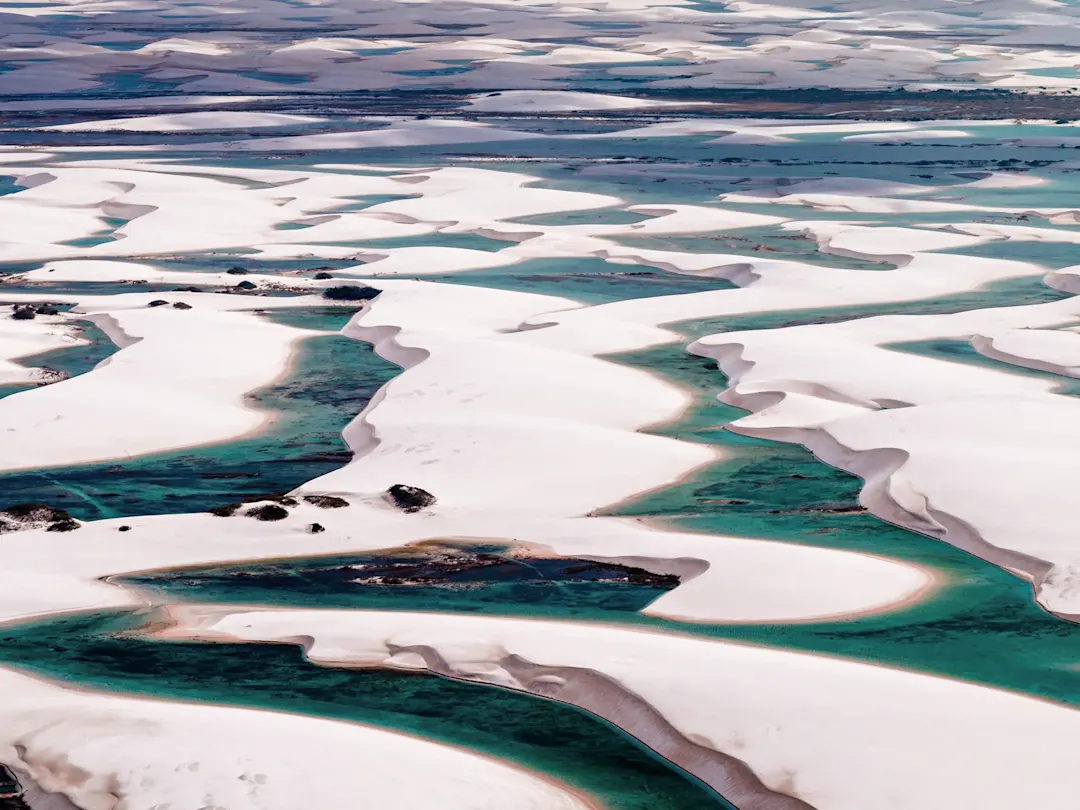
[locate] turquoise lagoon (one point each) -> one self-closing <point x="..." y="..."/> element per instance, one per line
<point x="763" y="489"/>
<point x="558" y="740"/>
<point x="980" y="625"/>
<point x="311" y="408"/>
<point x="71" y="361"/>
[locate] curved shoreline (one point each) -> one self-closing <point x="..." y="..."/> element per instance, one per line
<point x="43" y="798"/>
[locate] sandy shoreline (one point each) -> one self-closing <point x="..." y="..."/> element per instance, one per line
<point x="354" y="638"/>
<point x="509" y="412"/>
<point x="516" y="783"/>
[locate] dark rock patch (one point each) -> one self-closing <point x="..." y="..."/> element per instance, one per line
<point x="63" y="526"/>
<point x="35" y="511"/>
<point x="277" y="501"/>
<point x="350" y="292"/>
<point x="269" y="511"/>
<point x="410" y="499"/>
<point x="326" y="501"/>
<point x="444" y="567"/>
<point x="36" y="516"/>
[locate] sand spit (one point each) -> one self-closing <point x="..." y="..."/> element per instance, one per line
<point x="190" y="121"/>
<point x="915" y="427"/>
<point x="24" y="339"/>
<point x="170" y="386"/>
<point x="95" y="749"/>
<point x="506" y="412"/>
<point x="541" y="101"/>
<point x="835" y="734"/>
<point x="520" y="435"/>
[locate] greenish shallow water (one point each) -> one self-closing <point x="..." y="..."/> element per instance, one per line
<point x="563" y="742"/>
<point x="1021" y="291"/>
<point x="589" y="280"/>
<point x="759" y="244"/>
<point x="981" y="625"/>
<point x="69" y="360"/>
<point x="332" y="380"/>
<point x="961" y="351"/>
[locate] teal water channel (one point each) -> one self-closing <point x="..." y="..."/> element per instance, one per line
<point x="555" y="739"/>
<point x="980" y="625"/>
<point x="332" y="379"/>
<point x="589" y="280"/>
<point x="954" y="350"/>
<point x="71" y="361"/>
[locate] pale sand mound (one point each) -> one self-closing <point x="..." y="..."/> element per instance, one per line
<point x="560" y="101"/>
<point x="193" y="121"/>
<point x="837" y="734"/>
<point x="179" y="380"/>
<point x="93" y="747"/>
<point x="977" y="456"/>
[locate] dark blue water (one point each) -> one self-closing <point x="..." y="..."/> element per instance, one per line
<point x="430" y="577"/>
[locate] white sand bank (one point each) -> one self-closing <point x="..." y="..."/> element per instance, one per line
<point x="179" y="380"/>
<point x="975" y="456"/>
<point x="837" y="734"/>
<point x="518" y="434"/>
<point x="561" y="101"/>
<point x="93" y="747"/>
<point x="20" y="339"/>
<point x="190" y="121"/>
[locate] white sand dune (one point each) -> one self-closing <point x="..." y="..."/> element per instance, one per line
<point x="506" y="412"/>
<point x="22" y="339"/>
<point x="826" y="386"/>
<point x="560" y="101"/>
<point x="401" y="133"/>
<point x="905" y="137"/>
<point x="92" y="747"/>
<point x="518" y="434"/>
<point x="837" y="734"/>
<point x="194" y="121"/>
<point x="171" y="385"/>
<point x="1055" y="351"/>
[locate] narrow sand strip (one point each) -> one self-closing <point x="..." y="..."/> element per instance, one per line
<point x="835" y="734"/>
<point x="94" y="747"/>
<point x="520" y="446"/>
<point x="916" y="427"/>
